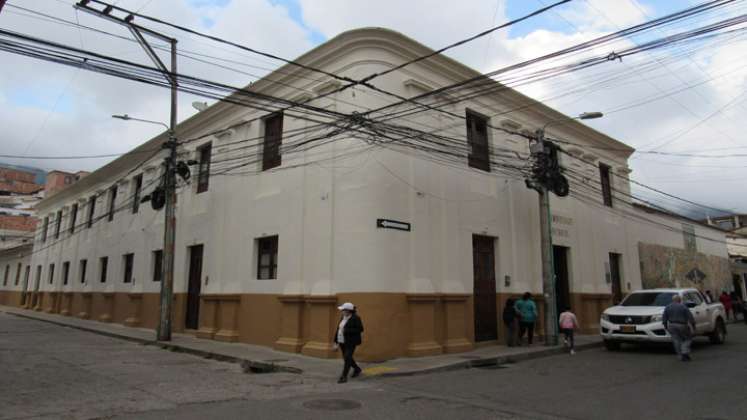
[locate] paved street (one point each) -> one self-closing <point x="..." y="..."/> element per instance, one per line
<point x="48" y="371"/>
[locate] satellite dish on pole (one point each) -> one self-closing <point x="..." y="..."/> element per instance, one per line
<point x="200" y="106"/>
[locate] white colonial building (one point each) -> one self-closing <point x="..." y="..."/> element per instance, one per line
<point x="429" y="252"/>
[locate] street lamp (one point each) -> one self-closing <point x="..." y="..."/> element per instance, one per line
<point x="129" y="118"/>
<point x="548" y="265"/>
<point x="581" y="116"/>
<point x="169" y="234"/>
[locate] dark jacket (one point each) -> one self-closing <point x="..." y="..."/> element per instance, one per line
<point x="509" y="312"/>
<point x="352" y="331"/>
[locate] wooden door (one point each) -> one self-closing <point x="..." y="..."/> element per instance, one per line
<point x="615" y="278"/>
<point x="562" y="278"/>
<point x="486" y="316"/>
<point x="192" y="317"/>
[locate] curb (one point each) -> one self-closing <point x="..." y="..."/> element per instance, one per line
<point x="488" y="361"/>
<point x="249" y="366"/>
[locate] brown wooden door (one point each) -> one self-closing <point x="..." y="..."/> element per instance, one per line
<point x="192" y="317"/>
<point x="562" y="282"/>
<point x="615" y="278"/>
<point x="486" y="316"/>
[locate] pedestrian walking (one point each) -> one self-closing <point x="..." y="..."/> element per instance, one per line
<point x="510" y="317"/>
<point x="740" y="306"/>
<point x="709" y="297"/>
<point x="347" y="338"/>
<point x="680" y="323"/>
<point x="726" y="301"/>
<point x="736" y="304"/>
<point x="568" y="325"/>
<point x="528" y="316"/>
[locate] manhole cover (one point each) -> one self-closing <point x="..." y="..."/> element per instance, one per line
<point x="332" y="405"/>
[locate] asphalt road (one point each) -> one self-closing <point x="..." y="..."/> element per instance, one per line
<point x="47" y="371"/>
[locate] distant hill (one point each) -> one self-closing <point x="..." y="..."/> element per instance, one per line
<point x="41" y="174"/>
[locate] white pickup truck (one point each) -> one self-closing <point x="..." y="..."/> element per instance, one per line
<point x="637" y="319"/>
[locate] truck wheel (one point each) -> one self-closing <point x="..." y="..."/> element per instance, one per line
<point x="611" y="345"/>
<point x="718" y="336"/>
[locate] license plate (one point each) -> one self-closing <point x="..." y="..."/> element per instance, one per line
<point x="627" y="328"/>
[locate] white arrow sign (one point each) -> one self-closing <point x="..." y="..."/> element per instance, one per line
<point x="392" y="224"/>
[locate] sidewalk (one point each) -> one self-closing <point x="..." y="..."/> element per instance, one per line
<point x="259" y="359"/>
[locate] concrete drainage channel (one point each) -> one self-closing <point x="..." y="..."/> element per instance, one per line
<point x="247" y="366"/>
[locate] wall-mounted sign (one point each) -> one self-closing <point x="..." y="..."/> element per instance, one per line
<point x="696" y="275"/>
<point x="392" y="224"/>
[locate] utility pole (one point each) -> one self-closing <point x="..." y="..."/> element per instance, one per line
<point x="547" y="177"/>
<point x="541" y="155"/>
<point x="169" y="234"/>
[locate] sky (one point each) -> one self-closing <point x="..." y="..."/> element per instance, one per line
<point x="686" y="101"/>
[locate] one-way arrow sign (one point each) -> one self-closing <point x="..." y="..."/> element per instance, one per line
<point x="392" y="224"/>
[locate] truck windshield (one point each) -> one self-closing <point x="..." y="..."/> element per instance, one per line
<point x="648" y="299"/>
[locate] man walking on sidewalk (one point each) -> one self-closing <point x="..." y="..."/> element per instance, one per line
<point x="680" y="323"/>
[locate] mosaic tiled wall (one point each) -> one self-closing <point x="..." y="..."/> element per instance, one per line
<point x="663" y="266"/>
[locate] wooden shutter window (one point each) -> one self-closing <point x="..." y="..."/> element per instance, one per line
<point x="477" y="139"/>
<point x="136" y="196"/>
<point x="44" y="229"/>
<point x="112" y="202"/>
<point x="129" y="261"/>
<point x="104" y="266"/>
<point x="83" y="264"/>
<point x="267" y="258"/>
<point x="65" y="272"/>
<point x="73" y="217"/>
<point x="203" y="171"/>
<point x="91" y="211"/>
<point x="604" y="175"/>
<point x="271" y="157"/>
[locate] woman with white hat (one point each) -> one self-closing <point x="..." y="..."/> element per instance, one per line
<point x="348" y="336"/>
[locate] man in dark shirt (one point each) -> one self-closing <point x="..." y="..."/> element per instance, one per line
<point x="680" y="323"/>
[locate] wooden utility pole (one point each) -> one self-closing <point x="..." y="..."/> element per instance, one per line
<point x="540" y="152"/>
<point x="169" y="182"/>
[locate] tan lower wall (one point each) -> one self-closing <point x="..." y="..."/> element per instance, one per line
<point x="396" y="324"/>
<point x="10" y="298"/>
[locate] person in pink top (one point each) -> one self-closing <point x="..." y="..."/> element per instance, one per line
<point x="568" y="324"/>
<point x="726" y="301"/>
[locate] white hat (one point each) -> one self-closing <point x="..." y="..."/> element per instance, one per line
<point x="347" y="306"/>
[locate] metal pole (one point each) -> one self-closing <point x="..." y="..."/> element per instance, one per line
<point x="169" y="234"/>
<point x="548" y="270"/>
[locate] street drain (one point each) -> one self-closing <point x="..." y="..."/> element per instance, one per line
<point x="332" y="405"/>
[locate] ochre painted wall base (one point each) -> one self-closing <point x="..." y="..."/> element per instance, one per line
<point x="396" y="324"/>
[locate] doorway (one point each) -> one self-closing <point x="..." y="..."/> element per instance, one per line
<point x="616" y="278"/>
<point x="562" y="287"/>
<point x="192" y="317"/>
<point x="486" y="315"/>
